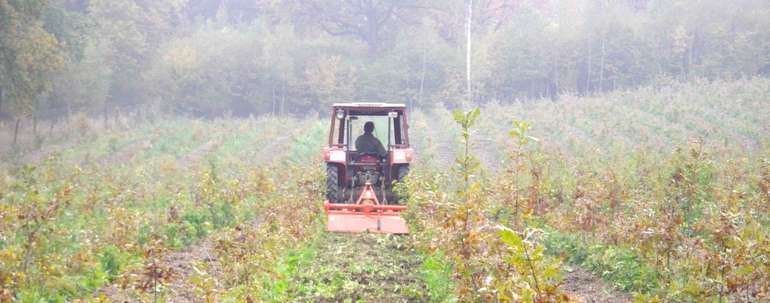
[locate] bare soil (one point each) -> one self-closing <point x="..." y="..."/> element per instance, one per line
<point x="199" y="153"/>
<point x="345" y="267"/>
<point x="181" y="267"/>
<point x="361" y="268"/>
<point x="175" y="283"/>
<point x="125" y="154"/>
<point x="584" y="286"/>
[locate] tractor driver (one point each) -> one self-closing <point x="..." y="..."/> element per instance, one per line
<point x="368" y="143"/>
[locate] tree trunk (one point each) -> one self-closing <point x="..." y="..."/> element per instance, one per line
<point x="105" y="116"/>
<point x="50" y="129"/>
<point x="372" y="31"/>
<point x="422" y="76"/>
<point x="34" y="125"/>
<point x="16" y="130"/>
<point x="283" y="98"/>
<point x="555" y="74"/>
<point x="690" y="55"/>
<point x="532" y="93"/>
<point x="555" y="71"/>
<point x="588" y="70"/>
<point x="272" y="109"/>
<point x="601" y="65"/>
<point x="68" y="117"/>
<point x="468" y="27"/>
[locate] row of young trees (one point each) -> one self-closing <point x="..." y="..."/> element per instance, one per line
<point x="215" y="57"/>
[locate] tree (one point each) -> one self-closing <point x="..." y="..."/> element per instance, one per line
<point x="331" y="81"/>
<point x="28" y="56"/>
<point x="372" y="21"/>
<point x="131" y="31"/>
<point x="84" y="84"/>
<point x="122" y="25"/>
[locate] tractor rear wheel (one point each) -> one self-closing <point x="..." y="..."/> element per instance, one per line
<point x="403" y="171"/>
<point x="332" y="183"/>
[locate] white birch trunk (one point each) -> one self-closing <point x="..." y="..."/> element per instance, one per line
<point x="468" y="51"/>
<point x="422" y="76"/>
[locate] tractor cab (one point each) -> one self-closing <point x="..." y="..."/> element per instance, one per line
<point x="390" y="128"/>
<point x="368" y="151"/>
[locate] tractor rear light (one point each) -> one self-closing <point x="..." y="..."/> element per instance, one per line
<point x="337" y="156"/>
<point x="401" y="156"/>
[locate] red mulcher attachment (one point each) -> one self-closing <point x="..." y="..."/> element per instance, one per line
<point x="367" y="215"/>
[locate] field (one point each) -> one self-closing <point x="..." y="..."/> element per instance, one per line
<point x="656" y="194"/>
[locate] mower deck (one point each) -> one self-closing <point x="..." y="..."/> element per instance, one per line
<point x="357" y="218"/>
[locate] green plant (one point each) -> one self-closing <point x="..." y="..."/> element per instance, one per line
<point x="436" y="272"/>
<point x="622" y="267"/>
<point x="541" y="275"/>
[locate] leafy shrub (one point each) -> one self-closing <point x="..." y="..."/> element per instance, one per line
<point x="436" y="272"/>
<point x="112" y="261"/>
<point x="622" y="267"/>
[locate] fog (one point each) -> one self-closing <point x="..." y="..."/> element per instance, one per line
<point x="213" y="58"/>
<point x="533" y="150"/>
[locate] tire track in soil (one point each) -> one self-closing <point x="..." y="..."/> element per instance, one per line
<point x="124" y="155"/>
<point x="45" y="152"/>
<point x="182" y="265"/>
<point x="370" y="267"/>
<point x="195" y="156"/>
<point x="584" y="286"/>
<point x="364" y="267"/>
<point x="188" y="263"/>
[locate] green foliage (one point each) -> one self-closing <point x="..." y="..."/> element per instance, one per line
<point x="294" y="263"/>
<point x="112" y="262"/>
<point x="654" y="215"/>
<point x="352" y="268"/>
<point x="305" y="148"/>
<point x="466" y="120"/>
<point x="541" y="275"/>
<point x="436" y="271"/>
<point x="627" y="197"/>
<point x="110" y="206"/>
<point x="519" y="132"/>
<point x="467" y="165"/>
<point x="487" y="265"/>
<point x="622" y="267"/>
<point x="29" y="54"/>
<point x="204" y="58"/>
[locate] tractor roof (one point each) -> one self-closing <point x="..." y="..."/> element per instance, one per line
<point x="370" y="105"/>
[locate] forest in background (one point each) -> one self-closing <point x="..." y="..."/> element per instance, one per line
<point x="208" y="58"/>
<point x="170" y="150"/>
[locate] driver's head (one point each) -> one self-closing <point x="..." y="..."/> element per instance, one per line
<point x="369" y="127"/>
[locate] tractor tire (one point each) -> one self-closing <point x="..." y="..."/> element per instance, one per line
<point x="403" y="171"/>
<point x="332" y="183"/>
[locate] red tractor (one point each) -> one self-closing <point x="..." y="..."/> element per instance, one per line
<point x="368" y="152"/>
